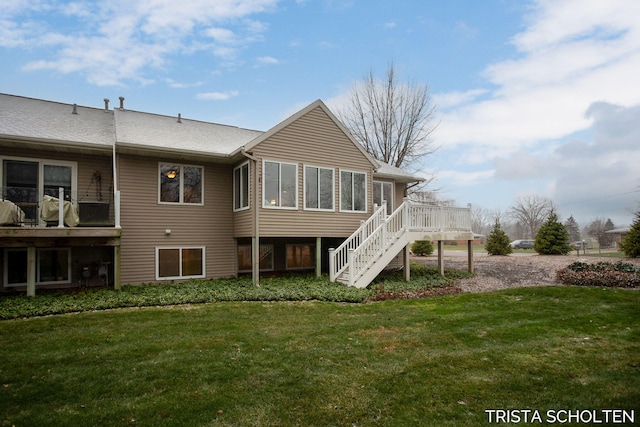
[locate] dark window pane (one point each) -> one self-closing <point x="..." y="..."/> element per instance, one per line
<point x="192" y="262"/>
<point x="311" y="187"/>
<point x="17" y="262"/>
<point x="169" y="183"/>
<point x="192" y="184"/>
<point x="53" y="265"/>
<point x="169" y="262"/>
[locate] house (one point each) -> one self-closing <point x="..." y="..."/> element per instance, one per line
<point x="164" y="198"/>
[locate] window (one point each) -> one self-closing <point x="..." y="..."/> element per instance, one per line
<point x="280" y="185"/>
<point x="318" y="188"/>
<point x="180" y="184"/>
<point x="179" y="263"/>
<point x="26" y="181"/>
<point x="301" y="256"/>
<point x="241" y="187"/>
<point x="383" y="192"/>
<point x="245" y="257"/>
<point x="53" y="266"/>
<point x="353" y="191"/>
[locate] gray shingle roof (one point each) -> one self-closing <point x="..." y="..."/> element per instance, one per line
<point x="53" y="121"/>
<point x="35" y="119"/>
<point x="153" y="131"/>
<point x="41" y="120"/>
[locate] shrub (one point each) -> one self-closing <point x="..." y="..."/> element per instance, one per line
<point x="630" y="245"/>
<point x="422" y="247"/>
<point x="498" y="242"/>
<point x="552" y="238"/>
<point x="621" y="274"/>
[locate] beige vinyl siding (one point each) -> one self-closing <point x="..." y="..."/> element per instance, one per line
<point x="314" y="139"/>
<point x="145" y="222"/>
<point x="398" y="194"/>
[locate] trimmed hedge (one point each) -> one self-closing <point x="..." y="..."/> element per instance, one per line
<point x="604" y="274"/>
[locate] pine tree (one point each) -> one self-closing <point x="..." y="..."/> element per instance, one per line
<point x="498" y="241"/>
<point x="630" y="245"/>
<point x="573" y="229"/>
<point x="552" y="238"/>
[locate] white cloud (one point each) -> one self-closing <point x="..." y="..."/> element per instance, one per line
<point x="572" y="54"/>
<point x="217" y="96"/>
<point x="120" y="40"/>
<point x="269" y="60"/>
<point x="221" y="35"/>
<point x="445" y="101"/>
<point x="588" y="178"/>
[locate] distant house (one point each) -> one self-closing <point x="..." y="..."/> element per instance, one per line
<point x="159" y="198"/>
<point x="618" y="235"/>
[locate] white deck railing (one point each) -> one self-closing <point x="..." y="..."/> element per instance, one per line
<point x="376" y="235"/>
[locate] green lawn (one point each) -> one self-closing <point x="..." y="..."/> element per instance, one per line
<point x="439" y="361"/>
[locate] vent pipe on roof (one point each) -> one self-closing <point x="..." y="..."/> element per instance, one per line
<point x="179" y="118"/>
<point x="122" y="102"/>
<point x="75" y="109"/>
<point x="106" y="105"/>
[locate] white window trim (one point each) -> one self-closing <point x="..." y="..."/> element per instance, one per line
<point x="38" y="282"/>
<point x="267" y="245"/>
<point x="181" y="202"/>
<point x="381" y="193"/>
<point x="299" y="268"/>
<point x="366" y="191"/>
<point x="180" y="277"/>
<point x="41" y="163"/>
<point x="269" y="206"/>
<point x="242" y="208"/>
<point x="333" y="188"/>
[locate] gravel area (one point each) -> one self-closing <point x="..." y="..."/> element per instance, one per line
<point x="501" y="272"/>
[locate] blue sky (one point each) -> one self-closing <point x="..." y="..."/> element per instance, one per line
<point x="533" y="97"/>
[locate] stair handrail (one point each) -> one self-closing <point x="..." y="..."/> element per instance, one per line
<point x="339" y="257"/>
<point x="370" y="249"/>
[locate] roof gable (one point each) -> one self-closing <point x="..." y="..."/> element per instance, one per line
<point x="300" y="114"/>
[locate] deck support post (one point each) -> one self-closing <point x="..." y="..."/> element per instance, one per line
<point x="441" y="257"/>
<point x="117" y="256"/>
<point x="31" y="271"/>
<point x="407" y="266"/>
<point x="470" y="255"/>
<point x="318" y="256"/>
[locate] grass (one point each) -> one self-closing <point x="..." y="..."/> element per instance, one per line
<point x="440" y="361"/>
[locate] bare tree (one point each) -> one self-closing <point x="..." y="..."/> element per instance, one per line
<point x="531" y="212"/>
<point x="393" y="121"/>
<point x="481" y="220"/>
<point x="598" y="230"/>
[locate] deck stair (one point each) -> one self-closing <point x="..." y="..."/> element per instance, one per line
<point x="378" y="240"/>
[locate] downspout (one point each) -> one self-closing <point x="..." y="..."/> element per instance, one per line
<point x="117" y="250"/>
<point x="255" y="247"/>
